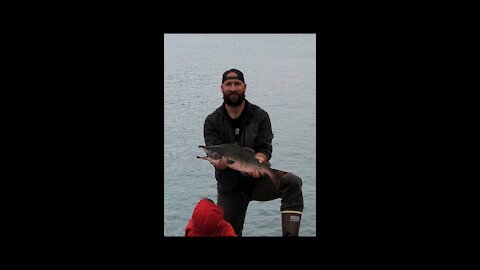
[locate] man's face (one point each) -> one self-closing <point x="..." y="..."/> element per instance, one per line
<point x="233" y="90"/>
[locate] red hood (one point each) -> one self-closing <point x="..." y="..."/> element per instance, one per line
<point x="207" y="220"/>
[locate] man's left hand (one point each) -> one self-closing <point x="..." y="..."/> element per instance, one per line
<point x="261" y="159"/>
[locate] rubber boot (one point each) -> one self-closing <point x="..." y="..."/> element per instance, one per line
<point x="291" y="223"/>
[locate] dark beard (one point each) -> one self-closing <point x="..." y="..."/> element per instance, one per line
<point x="232" y="103"/>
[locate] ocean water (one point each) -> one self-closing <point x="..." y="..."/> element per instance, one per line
<point x="279" y="71"/>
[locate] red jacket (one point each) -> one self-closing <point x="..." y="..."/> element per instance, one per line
<point x="207" y="220"/>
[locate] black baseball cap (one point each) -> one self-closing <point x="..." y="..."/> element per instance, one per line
<point x="236" y="71"/>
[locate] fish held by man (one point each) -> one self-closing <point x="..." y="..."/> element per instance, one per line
<point x="241" y="159"/>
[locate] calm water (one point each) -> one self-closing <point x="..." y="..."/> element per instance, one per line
<point x="279" y="71"/>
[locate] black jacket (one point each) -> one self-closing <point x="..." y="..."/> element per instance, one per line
<point x="255" y="133"/>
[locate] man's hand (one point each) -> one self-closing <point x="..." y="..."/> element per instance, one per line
<point x="261" y="158"/>
<point x="220" y="164"/>
<point x="256" y="174"/>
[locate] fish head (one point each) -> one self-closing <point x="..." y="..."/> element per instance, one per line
<point x="211" y="153"/>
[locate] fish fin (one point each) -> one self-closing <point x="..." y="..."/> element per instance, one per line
<point x="229" y="161"/>
<point x="267" y="163"/>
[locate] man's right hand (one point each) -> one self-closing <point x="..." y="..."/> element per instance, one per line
<point x="220" y="164"/>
